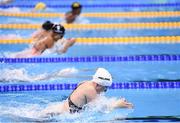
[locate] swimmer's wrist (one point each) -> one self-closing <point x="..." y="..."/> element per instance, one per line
<point x="114" y="105"/>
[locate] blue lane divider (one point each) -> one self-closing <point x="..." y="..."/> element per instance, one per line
<point x="100" y="5"/>
<point x="121" y="85"/>
<point x="93" y="59"/>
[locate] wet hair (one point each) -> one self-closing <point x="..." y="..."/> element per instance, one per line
<point x="76" y="5"/>
<point x="47" y="25"/>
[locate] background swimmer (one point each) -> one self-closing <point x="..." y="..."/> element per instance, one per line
<point x="73" y="16"/>
<point x="60" y="46"/>
<point x="39" y="7"/>
<point x="44" y="39"/>
<point x="87" y="92"/>
<point x="4" y="2"/>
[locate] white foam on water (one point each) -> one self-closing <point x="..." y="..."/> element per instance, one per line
<point x="10" y="36"/>
<point x="96" y="111"/>
<point x="68" y="72"/>
<point x="14" y="75"/>
<point x="21" y="110"/>
<point x="22" y="75"/>
<point x="11" y="10"/>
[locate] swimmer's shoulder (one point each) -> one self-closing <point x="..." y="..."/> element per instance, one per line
<point x="87" y="85"/>
<point x="68" y="13"/>
<point x="50" y="42"/>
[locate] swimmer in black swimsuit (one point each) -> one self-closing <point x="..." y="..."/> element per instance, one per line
<point x="88" y="91"/>
<point x="72" y="107"/>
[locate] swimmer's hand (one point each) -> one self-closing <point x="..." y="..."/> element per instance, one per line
<point x="122" y="103"/>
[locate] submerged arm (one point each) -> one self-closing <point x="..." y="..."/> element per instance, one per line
<point x="121" y="103"/>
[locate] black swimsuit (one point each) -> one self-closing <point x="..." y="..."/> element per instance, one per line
<point x="72" y="107"/>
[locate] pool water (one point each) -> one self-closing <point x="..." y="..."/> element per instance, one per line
<point x="158" y="104"/>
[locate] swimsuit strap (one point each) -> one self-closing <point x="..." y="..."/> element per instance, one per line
<point x="74" y="108"/>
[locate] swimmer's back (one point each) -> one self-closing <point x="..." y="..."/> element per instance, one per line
<point x="43" y="44"/>
<point x="83" y="94"/>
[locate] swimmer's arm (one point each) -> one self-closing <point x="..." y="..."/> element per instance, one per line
<point x="68" y="43"/>
<point x="121" y="103"/>
<point x="90" y="94"/>
<point x="41" y="44"/>
<point x="37" y="34"/>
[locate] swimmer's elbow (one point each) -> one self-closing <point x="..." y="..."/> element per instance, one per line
<point x="64" y="50"/>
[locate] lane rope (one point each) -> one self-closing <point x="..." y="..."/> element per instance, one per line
<point x="149" y="5"/>
<point x="113" y="40"/>
<point x="136" y="58"/>
<point x="151" y="14"/>
<point x="149" y="25"/>
<point x="65" y="86"/>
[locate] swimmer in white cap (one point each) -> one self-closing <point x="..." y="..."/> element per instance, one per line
<point x="86" y="92"/>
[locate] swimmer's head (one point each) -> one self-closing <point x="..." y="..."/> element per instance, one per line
<point x="76" y="5"/>
<point x="76" y="8"/>
<point x="58" y="32"/>
<point x="40" y="6"/>
<point x="58" y="29"/>
<point x="102" y="77"/>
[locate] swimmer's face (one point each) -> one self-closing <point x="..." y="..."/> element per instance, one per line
<point x="101" y="88"/>
<point x="104" y="88"/>
<point x="76" y="11"/>
<point x="57" y="36"/>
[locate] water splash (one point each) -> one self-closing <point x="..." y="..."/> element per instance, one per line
<point x="19" y="112"/>
<point x="98" y="109"/>
<point x="21" y="75"/>
<point x="10" y="36"/>
<point x="14" y="75"/>
<point x="11" y="10"/>
<point x="96" y="112"/>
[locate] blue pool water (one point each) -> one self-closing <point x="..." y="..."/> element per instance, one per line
<point x="24" y="106"/>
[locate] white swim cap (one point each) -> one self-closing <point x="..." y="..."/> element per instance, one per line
<point x="102" y="77"/>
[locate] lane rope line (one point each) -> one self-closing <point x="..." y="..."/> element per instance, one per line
<point x="89" y="59"/>
<point x="148" y="14"/>
<point x="65" y="86"/>
<point x="114" y="40"/>
<point x="149" y="5"/>
<point x="147" y="25"/>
